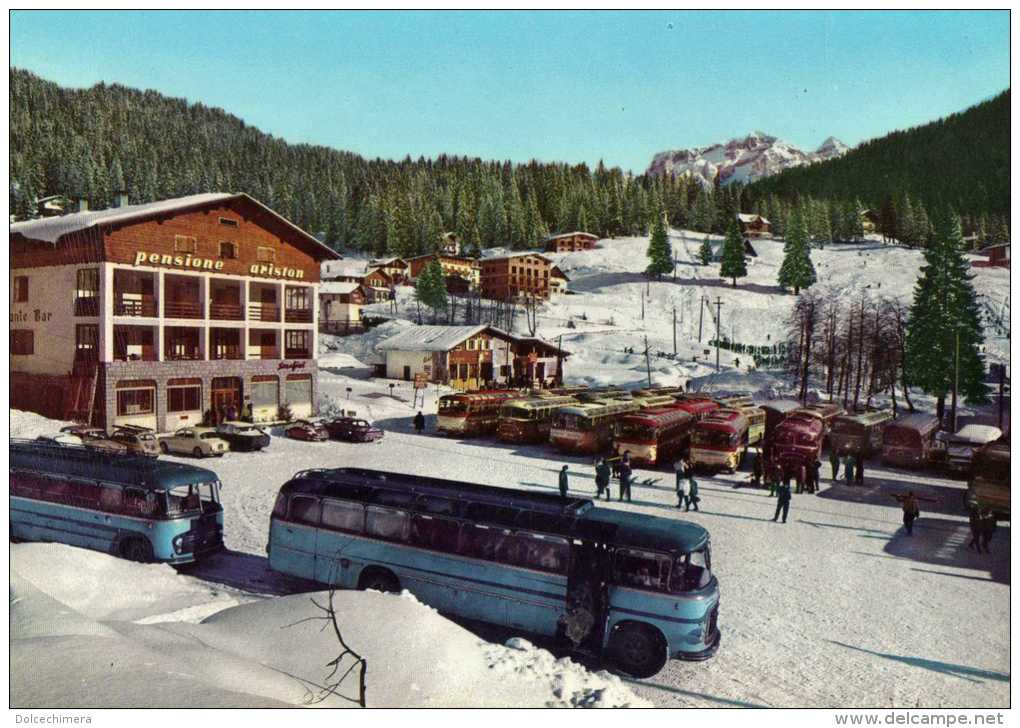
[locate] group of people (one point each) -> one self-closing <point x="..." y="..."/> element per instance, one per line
<point x="852" y="463"/>
<point x="982" y="528"/>
<point x="772" y="474"/>
<point x="603" y="474"/>
<point x="686" y="486"/>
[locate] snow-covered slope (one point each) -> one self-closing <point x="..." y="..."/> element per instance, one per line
<point x="741" y="160"/>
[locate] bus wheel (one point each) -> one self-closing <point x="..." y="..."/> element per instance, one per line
<point x="379" y="580"/>
<point x="637" y="649"/>
<point x="136" y="549"/>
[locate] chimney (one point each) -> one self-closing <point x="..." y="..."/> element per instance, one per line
<point x="120" y="198"/>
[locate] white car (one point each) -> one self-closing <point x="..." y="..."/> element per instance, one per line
<point x="198" y="441"/>
<point x="962" y="446"/>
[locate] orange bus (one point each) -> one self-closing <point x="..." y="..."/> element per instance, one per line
<point x="720" y="440"/>
<point x="472" y="413"/>
<point x="588" y="427"/>
<point x="653" y="436"/>
<point x="529" y="420"/>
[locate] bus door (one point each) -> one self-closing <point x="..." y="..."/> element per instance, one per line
<point x="587" y="595"/>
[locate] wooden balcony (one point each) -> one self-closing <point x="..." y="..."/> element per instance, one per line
<point x="297" y="354"/>
<point x="298" y="315"/>
<point x="222" y="353"/>
<point x="182" y="354"/>
<point x="263" y="312"/>
<point x="86" y="306"/>
<point x="145" y="306"/>
<point x="264" y="352"/>
<point x="226" y="311"/>
<point x="182" y="309"/>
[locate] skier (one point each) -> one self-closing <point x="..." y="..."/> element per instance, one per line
<point x="692" y="494"/>
<point x="911" y="509"/>
<point x="834" y="462"/>
<point x="625" y="474"/>
<point x="563" y="482"/>
<point x="602" y="478"/>
<point x="783" y="502"/>
<point x="681" y="477"/>
<point x="419" y="422"/>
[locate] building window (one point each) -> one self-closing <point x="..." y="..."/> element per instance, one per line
<point x="228" y="249"/>
<point x="296" y="298"/>
<point x="86" y="292"/>
<point x="20" y="289"/>
<point x="266" y="255"/>
<point x="22" y="342"/>
<point x="185" y="244"/>
<point x="228" y="222"/>
<point x="136" y="398"/>
<point x="265" y="391"/>
<point x="86" y="342"/>
<point x="184" y="395"/>
<point x="299" y="389"/>
<point x="296" y="344"/>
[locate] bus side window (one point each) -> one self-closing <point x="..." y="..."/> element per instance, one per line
<point x="641" y="569"/>
<point x="134" y="500"/>
<point x="343" y="516"/>
<point x="280" y="509"/>
<point x="435" y="533"/>
<point x="387" y="523"/>
<point x="304" y="510"/>
<point x="544" y="553"/>
<point x="489" y="543"/>
<point x="111" y="499"/>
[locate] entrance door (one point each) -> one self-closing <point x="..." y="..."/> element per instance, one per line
<point x="587" y="595"/>
<point x="226" y="397"/>
<point x="407" y="373"/>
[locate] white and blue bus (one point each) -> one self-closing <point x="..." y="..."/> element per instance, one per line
<point x="130" y="505"/>
<point x="635" y="589"/>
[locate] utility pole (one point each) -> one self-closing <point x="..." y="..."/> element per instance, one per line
<point x="642" y="307"/>
<point x="674" y="330"/>
<point x="1002" y="384"/>
<point x="718" y="325"/>
<point x="956" y="376"/>
<point x="701" y="316"/>
<point x="648" y="364"/>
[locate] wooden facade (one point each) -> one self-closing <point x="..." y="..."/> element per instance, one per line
<point x="570" y="242"/>
<point x="754" y="226"/>
<point x="519" y="276"/>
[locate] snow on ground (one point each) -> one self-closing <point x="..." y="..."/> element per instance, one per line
<point x="89" y="630"/>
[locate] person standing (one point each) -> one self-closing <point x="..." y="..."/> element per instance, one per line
<point x="783" y="501"/>
<point x="816" y="476"/>
<point x="563" y="482"/>
<point x="692" y="494"/>
<point x="910" y="504"/>
<point x="988" y="526"/>
<point x="602" y="478"/>
<point x="419" y="422"/>
<point x="834" y="462"/>
<point x="681" y="482"/>
<point x="757" y="471"/>
<point x="801" y="477"/>
<point x="860" y="469"/>
<point x="848" y="468"/>
<point x="625" y="475"/>
<point x="975" y="529"/>
<point x="775" y="476"/>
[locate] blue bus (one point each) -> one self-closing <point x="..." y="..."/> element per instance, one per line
<point x="129" y="505"/>
<point x="632" y="588"/>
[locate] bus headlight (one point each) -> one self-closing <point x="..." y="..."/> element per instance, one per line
<point x="652" y="452"/>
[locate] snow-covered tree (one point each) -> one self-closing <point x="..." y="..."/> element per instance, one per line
<point x="660" y="253"/>
<point x="732" y="263"/>
<point x="797" y="270"/>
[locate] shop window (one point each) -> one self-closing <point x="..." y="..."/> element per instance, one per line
<point x="136" y="399"/>
<point x="184" y="395"/>
<point x="228" y="250"/>
<point x="265" y="391"/>
<point x="185" y="244"/>
<point x="299" y="389"/>
<point x="22" y="342"/>
<point x="20" y="289"/>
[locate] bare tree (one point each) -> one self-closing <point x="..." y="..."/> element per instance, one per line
<point x="531" y="312"/>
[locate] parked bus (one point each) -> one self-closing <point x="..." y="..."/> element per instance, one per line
<point x="654" y="400"/>
<point x="719" y="440"/>
<point x="859" y="433"/>
<point x="755" y="416"/>
<point x="798" y="440"/>
<point x="588" y="427"/>
<point x="674" y="392"/>
<point x="697" y="408"/>
<point x="827" y="412"/>
<point x="472" y="413"/>
<point x="654" y="436"/>
<point x="776" y="411"/>
<point x="601" y="393"/>
<point x="529" y="420"/>
<point x="128" y="505"/>
<point x="634" y="587"/>
<point x="908" y="441"/>
<point x="988" y="485"/>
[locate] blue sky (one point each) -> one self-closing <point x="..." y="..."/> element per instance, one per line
<point x="570" y="86"/>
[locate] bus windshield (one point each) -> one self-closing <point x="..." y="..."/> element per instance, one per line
<point x="453" y="406"/>
<point x="714" y="438"/>
<point x="636" y="431"/>
<point x="692" y="571"/>
<point x="517" y="413"/>
<point x="192" y="498"/>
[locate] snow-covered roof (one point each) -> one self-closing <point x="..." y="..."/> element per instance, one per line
<point x="340" y="287"/>
<point x="332" y="268"/>
<point x="386" y="262"/>
<point x="50" y="229"/>
<point x="569" y="235"/>
<point x="433" y="338"/>
<point x="978" y="433"/>
<point x="745" y="217"/>
<point x="520" y="254"/>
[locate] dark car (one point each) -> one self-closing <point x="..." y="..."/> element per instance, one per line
<point x="243" y="436"/>
<point x="352" y="429"/>
<point x="307" y="430"/>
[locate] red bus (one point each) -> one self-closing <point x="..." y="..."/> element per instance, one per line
<point x="776" y="411"/>
<point x="588" y="427"/>
<point x="654" y="436"/>
<point x="798" y="439"/>
<point x="472" y="413"/>
<point x="529" y="420"/>
<point x="908" y="441"/>
<point x="698" y="408"/>
<point x="828" y="412"/>
<point x="720" y="440"/>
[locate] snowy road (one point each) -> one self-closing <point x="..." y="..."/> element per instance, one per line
<point x="835" y="608"/>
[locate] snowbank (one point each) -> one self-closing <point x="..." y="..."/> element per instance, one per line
<point x="72" y="646"/>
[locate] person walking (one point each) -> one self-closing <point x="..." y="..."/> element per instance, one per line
<point x="910" y="504"/>
<point x="563" y="482"/>
<point x="757" y="471"/>
<point x="834" y="462"/>
<point x="693" y="499"/>
<point x="859" y="477"/>
<point x="816" y="476"/>
<point x="625" y="475"/>
<point x="848" y="467"/>
<point x="681" y="482"/>
<point x="975" y="529"/>
<point x="775" y="476"/>
<point x="988" y="526"/>
<point x="801" y="477"/>
<point x="602" y="479"/>
<point x="419" y="422"/>
<point x="784" y="498"/>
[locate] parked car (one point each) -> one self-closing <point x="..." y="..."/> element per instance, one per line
<point x="956" y="452"/>
<point x="198" y="441"/>
<point x="352" y="429"/>
<point x="136" y="439"/>
<point x="307" y="430"/>
<point x="243" y="436"/>
<point x="94" y="438"/>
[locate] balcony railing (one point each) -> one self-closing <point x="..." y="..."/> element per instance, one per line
<point x="297" y="354"/>
<point x="226" y="311"/>
<point x="86" y="306"/>
<point x="298" y="315"/>
<point x="226" y="352"/>
<point x="264" y="352"/>
<point x="145" y="306"/>
<point x="182" y="309"/>
<point x="186" y="354"/>
<point x="147" y="353"/>
<point x="263" y="312"/>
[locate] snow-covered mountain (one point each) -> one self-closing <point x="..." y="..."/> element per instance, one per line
<point x="742" y="160"/>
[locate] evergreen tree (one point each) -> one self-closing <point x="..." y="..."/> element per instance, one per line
<point x="797" y="271"/>
<point x="945" y="304"/>
<point x="660" y="252"/>
<point x="732" y="263"/>
<point x="430" y="288"/>
<point x="705" y="251"/>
